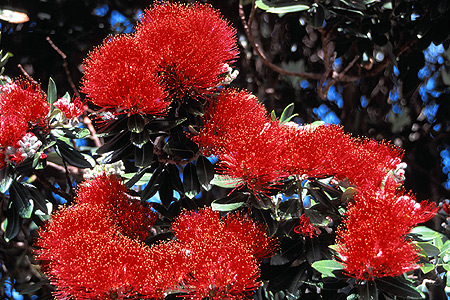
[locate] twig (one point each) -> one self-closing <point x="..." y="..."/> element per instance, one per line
<point x="65" y="65"/>
<point x="26" y="74"/>
<point x="91" y="129"/>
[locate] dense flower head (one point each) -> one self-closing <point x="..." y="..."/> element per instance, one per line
<point x="222" y="254"/>
<point x="260" y="151"/>
<point x="121" y="78"/>
<point x="194" y="45"/>
<point x="305" y="228"/>
<point x="372" y="242"/>
<point x="88" y="258"/>
<point x="71" y="109"/>
<point x="133" y="219"/>
<point x="22" y="106"/>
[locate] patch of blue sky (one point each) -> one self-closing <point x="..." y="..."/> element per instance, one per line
<point x="335" y="96"/>
<point x="431" y="83"/>
<point x="437" y="127"/>
<point x="433" y="52"/>
<point x="430" y="111"/>
<point x="118" y="21"/>
<point x="57" y="197"/>
<point x="396" y="109"/>
<point x="304" y="84"/>
<point x="324" y="113"/>
<point x="139" y="14"/>
<point x="101" y="11"/>
<point x="394" y="94"/>
<point x="364" y="101"/>
<point x="445" y="161"/>
<point x="396" y="71"/>
<point x="423" y="93"/>
<point x="10" y="292"/>
<point x="337" y="63"/>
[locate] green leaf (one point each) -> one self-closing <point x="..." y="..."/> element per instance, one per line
<point x="72" y="156"/>
<point x="426" y="233"/>
<point x="427" y="267"/>
<point x="33" y="287"/>
<point x="12" y="223"/>
<point x="326" y="267"/>
<point x="51" y="92"/>
<point x="446" y="247"/>
<point x="316" y="218"/>
<point x="230" y="203"/>
<point x="280" y="7"/>
<point x="141" y="176"/>
<point x="136" y="123"/>
<point x="287" y="114"/>
<point x="399" y="286"/>
<point x="226" y="181"/>
<point x="428" y="248"/>
<point x="226" y="207"/>
<point x="191" y="184"/>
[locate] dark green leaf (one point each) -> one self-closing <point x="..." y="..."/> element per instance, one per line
<point x="13" y="222"/>
<point x="174" y="174"/>
<point x="6" y="179"/>
<point x="165" y="189"/>
<point x="33" y="287"/>
<point x="136" y="123"/>
<point x="153" y="185"/>
<point x="368" y="290"/>
<point x="178" y="150"/>
<point x="51" y="92"/>
<point x="326" y="267"/>
<point x="347" y="11"/>
<point x="39" y="200"/>
<point x="399" y="286"/>
<point x="143" y="156"/>
<point x="205" y="170"/>
<point x="22" y="199"/>
<point x="140" y="139"/>
<point x="313" y="252"/>
<point x="119" y="154"/>
<point x="191" y="184"/>
<point x="316" y="218"/>
<point x="429" y="249"/>
<point x="281" y="7"/>
<point x="231" y="202"/>
<point x="118" y="141"/>
<point x="226" y="181"/>
<point x="72" y="156"/>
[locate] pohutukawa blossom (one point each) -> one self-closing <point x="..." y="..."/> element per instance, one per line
<point x="133" y="219"/>
<point x="372" y="241"/>
<point x="193" y="55"/>
<point x="262" y="152"/>
<point x="221" y="255"/>
<point x="71" y="109"/>
<point x="87" y="257"/>
<point x="305" y="227"/>
<point x="121" y="78"/>
<point x="22" y="106"/>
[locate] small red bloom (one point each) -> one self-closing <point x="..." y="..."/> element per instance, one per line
<point x="70" y="109"/>
<point x="192" y="54"/>
<point x="133" y="219"/>
<point x="371" y="242"/>
<point x="305" y="227"/>
<point x="121" y="78"/>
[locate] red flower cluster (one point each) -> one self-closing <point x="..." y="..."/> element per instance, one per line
<point x="372" y="242"/>
<point x="142" y="73"/>
<point x="261" y="151"/>
<point x="22" y="106"/>
<point x="305" y="227"/>
<point x="93" y="250"/>
<point x="70" y="109"/>
<point x="222" y="255"/>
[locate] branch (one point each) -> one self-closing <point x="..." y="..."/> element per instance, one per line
<point x="65" y="65"/>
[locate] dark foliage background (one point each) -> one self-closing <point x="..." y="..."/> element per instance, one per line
<point x="382" y="84"/>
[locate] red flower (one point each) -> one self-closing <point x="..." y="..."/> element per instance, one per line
<point x="193" y="43"/>
<point x="221" y="255"/>
<point x="305" y="227"/>
<point x="72" y="109"/>
<point x="262" y="152"/>
<point x="371" y="242"/>
<point x="88" y="258"/>
<point x="121" y="78"/>
<point x="133" y="219"/>
<point x="22" y="105"/>
<point x="25" y="100"/>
